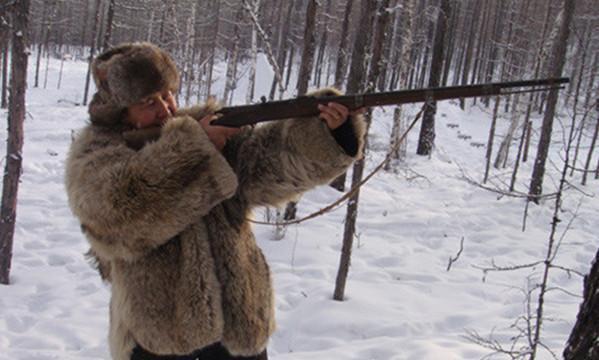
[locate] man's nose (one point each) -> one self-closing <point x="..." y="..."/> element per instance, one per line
<point x="164" y="109"/>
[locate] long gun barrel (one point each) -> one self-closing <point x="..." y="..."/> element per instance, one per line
<point x="304" y="106"/>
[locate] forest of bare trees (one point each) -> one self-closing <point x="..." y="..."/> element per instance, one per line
<point x="418" y="44"/>
<point x="358" y="46"/>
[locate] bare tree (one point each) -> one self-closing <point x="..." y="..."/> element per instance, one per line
<point x="254" y="54"/>
<point x="278" y="75"/>
<point x="14" y="147"/>
<point x="558" y="59"/>
<point x="426" y="139"/>
<point x="4" y="48"/>
<point x="469" y="48"/>
<point x="582" y="343"/>
<point x="339" y="182"/>
<point x="407" y="42"/>
<point x="491" y="139"/>
<point x="356" y="83"/>
<point x="233" y="57"/>
<point x="106" y="42"/>
<point x="583" y="48"/>
<point x="342" y="52"/>
<point x="587" y="164"/>
<point x="92" y="50"/>
<point x="303" y="78"/>
<point x="45" y="32"/>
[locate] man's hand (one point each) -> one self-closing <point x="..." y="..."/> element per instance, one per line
<point x="218" y="135"/>
<point x="335" y="114"/>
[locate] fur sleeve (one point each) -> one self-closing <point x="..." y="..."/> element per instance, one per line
<point x="130" y="202"/>
<point x="278" y="161"/>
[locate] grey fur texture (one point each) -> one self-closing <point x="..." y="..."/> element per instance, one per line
<point x="129" y="72"/>
<point x="170" y="223"/>
<point x="125" y="75"/>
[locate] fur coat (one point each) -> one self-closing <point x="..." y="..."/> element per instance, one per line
<point x="169" y="224"/>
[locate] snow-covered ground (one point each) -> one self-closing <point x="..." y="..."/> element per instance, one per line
<point x="402" y="303"/>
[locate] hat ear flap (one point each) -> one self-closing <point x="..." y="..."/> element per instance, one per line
<point x="102" y="63"/>
<point x="131" y="71"/>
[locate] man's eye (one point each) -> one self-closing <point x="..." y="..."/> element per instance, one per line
<point x="149" y="102"/>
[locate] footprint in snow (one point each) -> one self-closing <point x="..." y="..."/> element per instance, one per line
<point x="59" y="260"/>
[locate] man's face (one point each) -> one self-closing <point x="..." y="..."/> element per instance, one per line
<point x="153" y="110"/>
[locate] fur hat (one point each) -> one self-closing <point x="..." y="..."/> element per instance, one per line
<point x="126" y="74"/>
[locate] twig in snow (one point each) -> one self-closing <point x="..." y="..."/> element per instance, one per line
<point x="457" y="256"/>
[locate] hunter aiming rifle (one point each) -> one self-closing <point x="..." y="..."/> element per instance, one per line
<point x="305" y="106"/>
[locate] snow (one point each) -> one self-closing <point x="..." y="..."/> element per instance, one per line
<point x="401" y="302"/>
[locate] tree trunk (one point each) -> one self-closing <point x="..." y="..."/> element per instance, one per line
<point x="109" y="22"/>
<point x="303" y="78"/>
<point x="480" y="42"/>
<point x="83" y="39"/>
<point x="583" y="47"/>
<point x="4" y="32"/>
<point x="587" y="164"/>
<point x="318" y="67"/>
<point x="469" y="48"/>
<point x="399" y="126"/>
<point x="231" y="75"/>
<point x="558" y="59"/>
<point x="427" y="128"/>
<point x="290" y="63"/>
<point x="523" y="140"/>
<point x="14" y="144"/>
<point x="356" y="83"/>
<point x="504" y="147"/>
<point x="282" y="49"/>
<point x="92" y="50"/>
<point x="377" y="61"/>
<point x="339" y="182"/>
<point x="592" y="76"/>
<point x="213" y="46"/>
<point x="450" y="40"/>
<point x="582" y="343"/>
<point x="253" y="58"/>
<point x="45" y="30"/>
<point x="390" y="52"/>
<point x="491" y="139"/>
<point x="342" y="53"/>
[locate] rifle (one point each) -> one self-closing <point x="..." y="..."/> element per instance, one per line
<point x="306" y="106"/>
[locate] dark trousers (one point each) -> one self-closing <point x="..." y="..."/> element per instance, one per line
<point x="212" y="352"/>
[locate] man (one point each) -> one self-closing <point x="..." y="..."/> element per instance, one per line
<point x="167" y="222"/>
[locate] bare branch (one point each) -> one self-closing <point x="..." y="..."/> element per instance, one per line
<point x="454" y="259"/>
